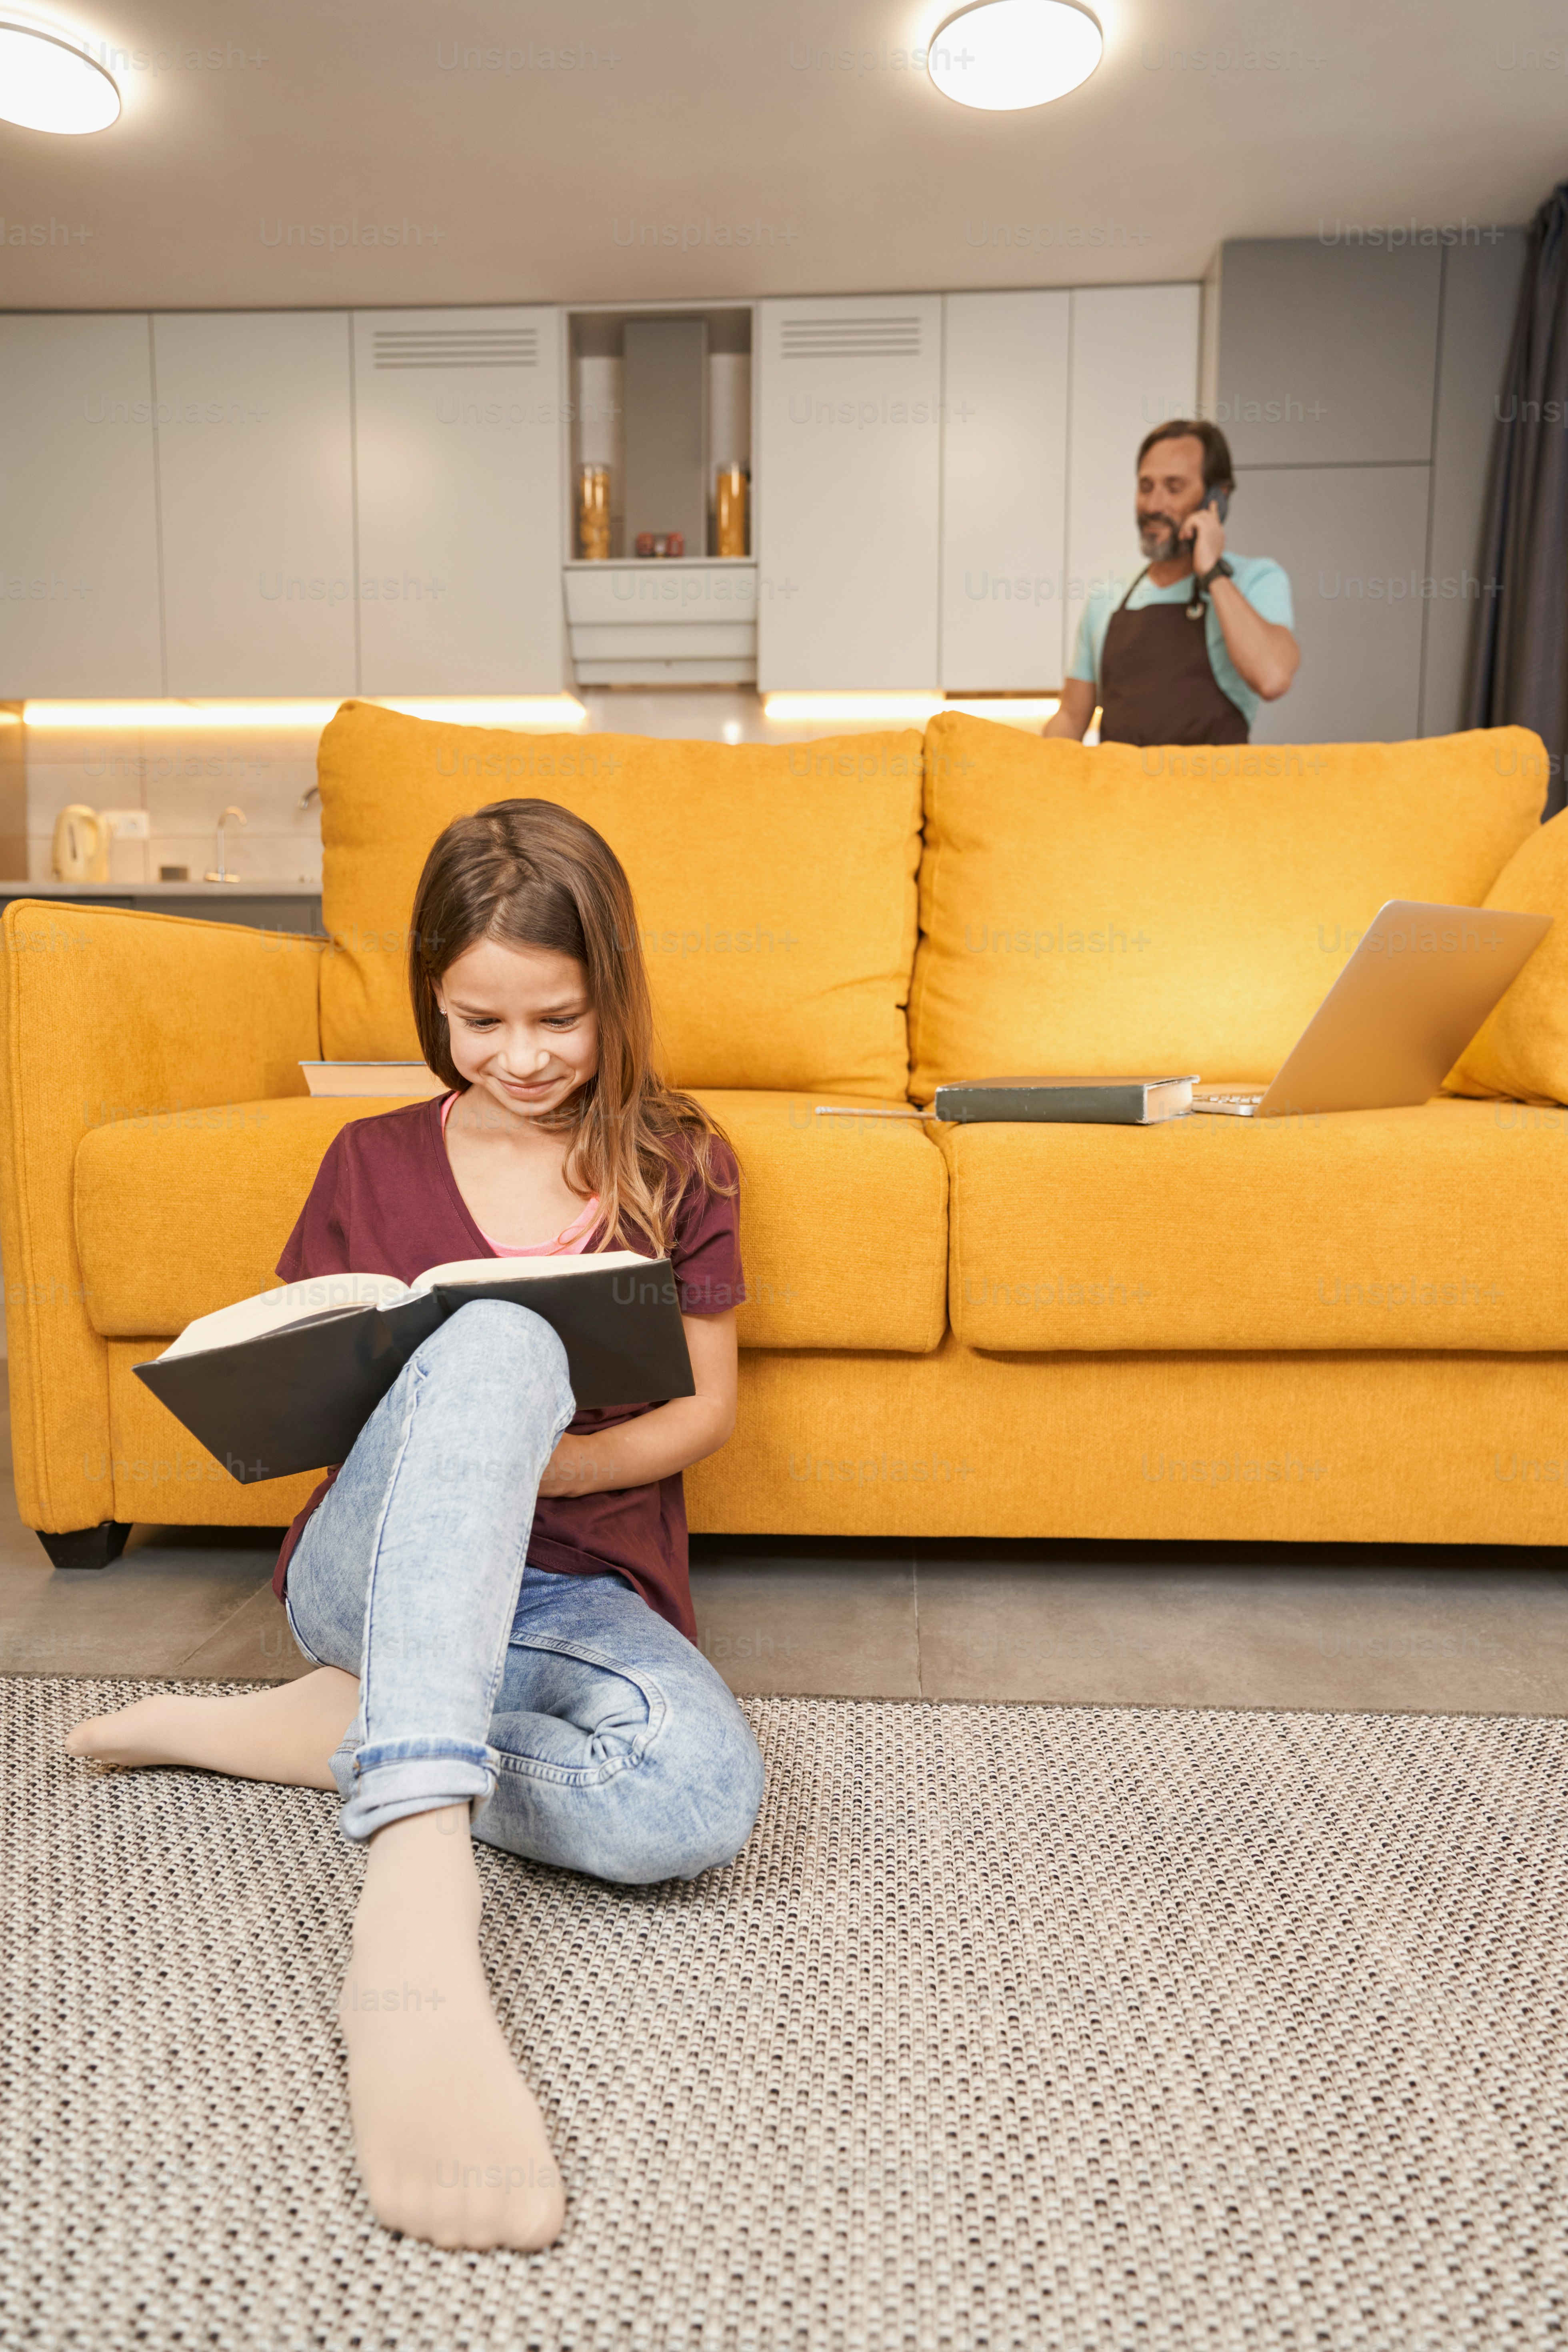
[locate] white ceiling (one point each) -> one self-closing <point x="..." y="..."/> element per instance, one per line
<point x="715" y="116"/>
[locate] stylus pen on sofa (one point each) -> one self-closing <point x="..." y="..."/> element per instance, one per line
<point x="854" y="1111"/>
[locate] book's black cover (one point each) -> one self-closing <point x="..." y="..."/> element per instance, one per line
<point x="1089" y="1102"/>
<point x="296" y="1399"/>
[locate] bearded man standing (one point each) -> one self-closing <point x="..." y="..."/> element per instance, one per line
<point x="1201" y="638"/>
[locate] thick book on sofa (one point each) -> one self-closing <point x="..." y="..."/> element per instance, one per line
<point x="286" y="1381"/>
<point x="1098" y="1102"/>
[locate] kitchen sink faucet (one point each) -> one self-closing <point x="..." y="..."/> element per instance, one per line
<point x="221" y="873"/>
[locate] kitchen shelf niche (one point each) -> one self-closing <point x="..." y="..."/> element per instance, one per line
<point x="662" y="395"/>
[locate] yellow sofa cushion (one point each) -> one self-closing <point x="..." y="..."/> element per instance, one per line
<point x="1522" y="1050"/>
<point x="1119" y="909"/>
<point x="1421" y="1228"/>
<point x="844" y="1220"/>
<point x="775" y="885"/>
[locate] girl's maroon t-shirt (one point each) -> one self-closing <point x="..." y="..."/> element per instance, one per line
<point x="385" y="1201"/>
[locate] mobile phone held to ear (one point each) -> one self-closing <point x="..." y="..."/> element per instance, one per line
<point x="1220" y="499"/>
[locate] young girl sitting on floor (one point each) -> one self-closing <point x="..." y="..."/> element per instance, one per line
<point x="493" y="1586"/>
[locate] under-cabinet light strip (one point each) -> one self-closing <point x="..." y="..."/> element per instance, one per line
<point x="556" y="711"/>
<point x="906" y="709"/>
<point x="802" y="710"/>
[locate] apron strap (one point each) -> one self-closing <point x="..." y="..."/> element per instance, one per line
<point x="1141" y="578"/>
<point x="1193" y="609"/>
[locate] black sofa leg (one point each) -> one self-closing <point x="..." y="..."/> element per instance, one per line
<point x="87" y="1546"/>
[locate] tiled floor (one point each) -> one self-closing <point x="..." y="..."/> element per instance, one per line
<point x="1140" y="1625"/>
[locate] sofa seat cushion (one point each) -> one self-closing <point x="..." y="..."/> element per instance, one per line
<point x="775" y="885"/>
<point x="844" y="1220"/>
<point x="1166" y="910"/>
<point x="1433" y="1227"/>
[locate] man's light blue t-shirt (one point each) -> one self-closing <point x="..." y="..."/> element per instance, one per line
<point x="1260" y="580"/>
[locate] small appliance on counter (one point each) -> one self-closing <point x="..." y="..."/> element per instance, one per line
<point x="80" y="851"/>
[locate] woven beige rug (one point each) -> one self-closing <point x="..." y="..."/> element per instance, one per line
<point x="1012" y="2027"/>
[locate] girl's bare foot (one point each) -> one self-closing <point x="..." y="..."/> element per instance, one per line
<point x="288" y="1733"/>
<point x="451" y="2142"/>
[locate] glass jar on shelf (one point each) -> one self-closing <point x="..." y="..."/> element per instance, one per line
<point x="730" y="503"/>
<point x="593" y="513"/>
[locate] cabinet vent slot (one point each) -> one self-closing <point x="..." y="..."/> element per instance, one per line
<point x="850" y="338"/>
<point x="448" y="347"/>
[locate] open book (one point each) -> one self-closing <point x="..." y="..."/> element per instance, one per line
<point x="286" y="1381"/>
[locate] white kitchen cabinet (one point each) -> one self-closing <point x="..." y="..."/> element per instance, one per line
<point x="1135" y="364"/>
<point x="78" y="525"/>
<point x="459" y="439"/>
<point x="1004" y="491"/>
<point x="848" y="508"/>
<point x="254" y="456"/>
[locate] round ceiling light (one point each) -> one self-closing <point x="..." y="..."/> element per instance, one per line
<point x="46" y="84"/>
<point x="1001" y="55"/>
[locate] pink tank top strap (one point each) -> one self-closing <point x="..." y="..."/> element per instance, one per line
<point x="570" y="1242"/>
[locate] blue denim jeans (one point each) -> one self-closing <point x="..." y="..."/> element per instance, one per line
<point x="585" y="1729"/>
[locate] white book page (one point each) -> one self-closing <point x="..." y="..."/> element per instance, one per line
<point x="525" y="1269"/>
<point x="273" y="1310"/>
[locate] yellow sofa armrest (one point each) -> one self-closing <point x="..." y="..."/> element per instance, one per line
<point x="106" y="1014"/>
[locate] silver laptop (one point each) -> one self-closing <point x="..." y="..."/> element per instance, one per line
<point x="1401" y="1012"/>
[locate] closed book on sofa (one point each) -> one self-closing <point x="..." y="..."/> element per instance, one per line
<point x="1106" y="1102"/>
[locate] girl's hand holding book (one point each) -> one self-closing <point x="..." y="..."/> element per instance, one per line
<point x="653" y="1445"/>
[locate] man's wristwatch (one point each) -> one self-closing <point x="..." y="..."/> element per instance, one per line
<point x="1220" y="571"/>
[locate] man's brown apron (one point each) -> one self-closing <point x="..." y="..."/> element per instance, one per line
<point x="1156" y="683"/>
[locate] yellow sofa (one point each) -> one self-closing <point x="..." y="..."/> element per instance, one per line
<point x="1346" y="1328"/>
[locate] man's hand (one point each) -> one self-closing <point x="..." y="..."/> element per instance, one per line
<point x="1204" y="533"/>
<point x="1074" y="711"/>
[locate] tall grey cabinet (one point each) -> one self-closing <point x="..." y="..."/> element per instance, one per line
<point x="1357" y="384"/>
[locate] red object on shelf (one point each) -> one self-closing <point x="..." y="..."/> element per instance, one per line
<point x="661" y="542"/>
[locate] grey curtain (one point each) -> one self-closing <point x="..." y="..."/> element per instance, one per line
<point x="1519" y="674"/>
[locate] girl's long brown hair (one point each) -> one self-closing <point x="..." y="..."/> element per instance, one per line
<point x="530" y="874"/>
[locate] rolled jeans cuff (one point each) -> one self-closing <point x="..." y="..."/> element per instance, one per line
<point x="385" y="1780"/>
